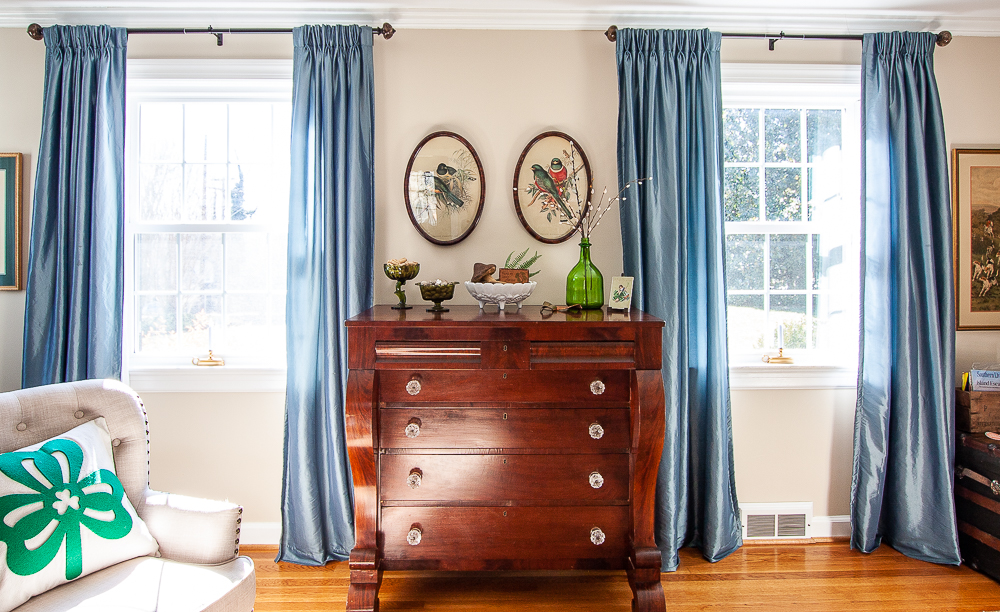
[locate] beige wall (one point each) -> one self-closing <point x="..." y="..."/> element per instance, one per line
<point x="790" y="445"/>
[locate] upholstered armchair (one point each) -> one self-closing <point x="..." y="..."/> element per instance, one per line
<point x="198" y="568"/>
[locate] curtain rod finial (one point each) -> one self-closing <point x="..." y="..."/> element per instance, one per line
<point x="386" y="30"/>
<point x="943" y="38"/>
<point x="612" y="33"/>
<point x="35" y="31"/>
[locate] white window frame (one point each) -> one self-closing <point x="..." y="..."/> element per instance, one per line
<point x="803" y="86"/>
<point x="193" y="80"/>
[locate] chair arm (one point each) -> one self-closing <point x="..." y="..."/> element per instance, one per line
<point x="191" y="529"/>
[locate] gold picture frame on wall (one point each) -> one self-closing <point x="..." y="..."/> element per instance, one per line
<point x="975" y="192"/>
<point x="10" y="221"/>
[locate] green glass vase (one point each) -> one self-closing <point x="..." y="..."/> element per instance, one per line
<point x="585" y="284"/>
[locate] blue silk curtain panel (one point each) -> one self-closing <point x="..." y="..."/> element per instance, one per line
<point x="670" y="129"/>
<point x="904" y="429"/>
<point x="330" y="278"/>
<point x="74" y="298"/>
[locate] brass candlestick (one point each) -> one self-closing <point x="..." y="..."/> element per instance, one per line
<point x="779" y="359"/>
<point x="210" y="361"/>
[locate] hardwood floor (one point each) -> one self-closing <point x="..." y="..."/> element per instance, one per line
<point x="801" y="578"/>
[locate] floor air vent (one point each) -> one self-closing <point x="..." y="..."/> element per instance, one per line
<point x="776" y="521"/>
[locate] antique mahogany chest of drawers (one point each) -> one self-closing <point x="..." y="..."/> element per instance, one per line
<point x="492" y="441"/>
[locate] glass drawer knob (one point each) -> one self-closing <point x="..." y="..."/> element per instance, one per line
<point x="413" y="480"/>
<point x="414" y="534"/>
<point x="412" y="429"/>
<point x="596" y="431"/>
<point x="597" y="387"/>
<point x="413" y="387"/>
<point x="596" y="480"/>
<point x="596" y="536"/>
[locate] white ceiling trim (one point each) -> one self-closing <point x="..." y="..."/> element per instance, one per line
<point x="227" y="13"/>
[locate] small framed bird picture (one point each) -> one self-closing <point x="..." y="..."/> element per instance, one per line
<point x="552" y="183"/>
<point x="444" y="188"/>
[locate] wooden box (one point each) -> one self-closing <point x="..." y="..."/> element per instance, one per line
<point x="977" y="502"/>
<point x="977" y="411"/>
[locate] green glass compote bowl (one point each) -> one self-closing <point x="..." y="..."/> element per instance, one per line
<point x="401" y="272"/>
<point x="437" y="292"/>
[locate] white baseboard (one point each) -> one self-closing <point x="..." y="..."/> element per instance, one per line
<point x="838" y="526"/>
<point x="821" y="527"/>
<point x="260" y="533"/>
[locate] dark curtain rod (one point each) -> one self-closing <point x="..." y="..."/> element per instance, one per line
<point x="943" y="38"/>
<point x="386" y="31"/>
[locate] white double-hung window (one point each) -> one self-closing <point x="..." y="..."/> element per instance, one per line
<point x="792" y="208"/>
<point x="207" y="170"/>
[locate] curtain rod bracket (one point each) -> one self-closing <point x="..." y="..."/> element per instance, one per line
<point x="771" y="41"/>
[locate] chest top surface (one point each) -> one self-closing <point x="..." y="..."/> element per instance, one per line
<point x="528" y="316"/>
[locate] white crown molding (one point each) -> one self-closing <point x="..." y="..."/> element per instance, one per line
<point x="721" y="15"/>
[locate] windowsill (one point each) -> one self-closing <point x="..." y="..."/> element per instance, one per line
<point x="194" y="379"/>
<point x="792" y="376"/>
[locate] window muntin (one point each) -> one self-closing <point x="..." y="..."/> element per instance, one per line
<point x="207" y="210"/>
<point x="791" y="209"/>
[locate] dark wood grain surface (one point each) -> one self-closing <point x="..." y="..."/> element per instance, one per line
<point x="488" y="478"/>
<point x="505" y="386"/>
<point x="483" y="538"/>
<point x="499" y="428"/>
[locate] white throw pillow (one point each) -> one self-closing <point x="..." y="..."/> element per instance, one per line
<point x="63" y="514"/>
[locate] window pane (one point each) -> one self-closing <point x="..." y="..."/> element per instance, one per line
<point x="790" y="311"/>
<point x="205" y="193"/>
<point x="278" y="261"/>
<point x="156" y="265"/>
<point x="250" y="133"/>
<point x="201" y="262"/>
<point x="246" y="261"/>
<point x="783" y="194"/>
<point x="782" y="140"/>
<point x="157" y="323"/>
<point x="745" y="261"/>
<point x="205" y="132"/>
<point x="822" y="132"/>
<point x="742" y="194"/>
<point x="256" y="192"/>
<point x="788" y="261"/>
<point x="246" y="323"/>
<point x="160" y="129"/>
<point x="160" y="192"/>
<point x="817" y="261"/>
<point x="826" y="183"/>
<point x="200" y="313"/>
<point x="745" y="319"/>
<point x="742" y="142"/>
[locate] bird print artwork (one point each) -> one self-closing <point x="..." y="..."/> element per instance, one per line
<point x="444" y="195"/>
<point x="549" y="189"/>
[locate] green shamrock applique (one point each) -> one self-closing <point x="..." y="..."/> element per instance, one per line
<point x="62" y="498"/>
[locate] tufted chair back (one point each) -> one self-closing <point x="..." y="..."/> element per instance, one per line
<point x="30" y="416"/>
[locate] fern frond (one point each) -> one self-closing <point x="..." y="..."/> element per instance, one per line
<point x="516" y="261"/>
<point x="531" y="260"/>
<point x="534" y="273"/>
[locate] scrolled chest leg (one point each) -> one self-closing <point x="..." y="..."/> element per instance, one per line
<point x="366" y="578"/>
<point x="644" y="578"/>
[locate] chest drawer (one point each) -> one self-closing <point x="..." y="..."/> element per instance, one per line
<point x="481" y="478"/>
<point x="585" y="430"/>
<point x="574" y="386"/>
<point x="453" y="537"/>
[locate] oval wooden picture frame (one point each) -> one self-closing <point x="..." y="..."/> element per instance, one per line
<point x="441" y="185"/>
<point x="543" y="191"/>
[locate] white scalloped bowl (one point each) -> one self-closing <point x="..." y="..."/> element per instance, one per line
<point x="500" y="294"/>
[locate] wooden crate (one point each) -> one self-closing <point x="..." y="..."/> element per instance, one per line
<point x="977" y="411"/>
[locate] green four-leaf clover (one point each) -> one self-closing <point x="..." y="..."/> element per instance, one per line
<point x="26" y="519"/>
